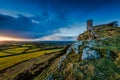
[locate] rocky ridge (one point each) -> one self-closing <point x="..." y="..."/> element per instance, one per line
<point x="91" y="59"/>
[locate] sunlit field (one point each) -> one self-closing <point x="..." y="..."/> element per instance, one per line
<point x="17" y="57"/>
<point x="11" y="55"/>
<point x="9" y="61"/>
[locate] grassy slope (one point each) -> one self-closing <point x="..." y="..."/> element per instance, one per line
<point x="48" y="71"/>
<point x="73" y="68"/>
<point x="103" y="69"/>
<point x="103" y="31"/>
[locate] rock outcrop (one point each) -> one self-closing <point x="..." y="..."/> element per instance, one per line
<point x="88" y="51"/>
<point x="91" y="59"/>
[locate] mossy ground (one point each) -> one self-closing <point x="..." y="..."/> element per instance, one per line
<point x="73" y="68"/>
<point x="102" y="32"/>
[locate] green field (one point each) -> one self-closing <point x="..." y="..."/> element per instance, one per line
<point x="14" y="50"/>
<point x="18" y="58"/>
<point x="3" y="54"/>
<point x="9" y="61"/>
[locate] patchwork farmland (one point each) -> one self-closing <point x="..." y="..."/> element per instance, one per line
<point x="18" y="58"/>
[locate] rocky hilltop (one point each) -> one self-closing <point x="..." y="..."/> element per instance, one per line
<point x="102" y="31"/>
<point x="89" y="59"/>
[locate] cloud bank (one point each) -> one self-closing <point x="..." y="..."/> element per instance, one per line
<point x="53" y="19"/>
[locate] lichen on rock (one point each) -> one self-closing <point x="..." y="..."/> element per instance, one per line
<point x="88" y="51"/>
<point x="89" y="54"/>
<point x="60" y="61"/>
<point x="74" y="47"/>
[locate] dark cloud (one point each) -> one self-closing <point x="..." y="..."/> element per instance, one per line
<point x="10" y="25"/>
<point x="30" y="27"/>
<point x="19" y="24"/>
<point x="71" y="5"/>
<point x="50" y="15"/>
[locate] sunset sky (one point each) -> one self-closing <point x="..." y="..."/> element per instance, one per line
<point x="53" y="19"/>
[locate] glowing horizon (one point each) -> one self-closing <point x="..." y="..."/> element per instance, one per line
<point x="53" y="19"/>
<point x="4" y="38"/>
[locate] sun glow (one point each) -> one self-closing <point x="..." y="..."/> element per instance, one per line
<point x="2" y="38"/>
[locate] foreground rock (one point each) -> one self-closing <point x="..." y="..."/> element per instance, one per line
<point x="87" y="49"/>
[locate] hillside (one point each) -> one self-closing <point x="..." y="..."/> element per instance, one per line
<point x="101" y="31"/>
<point x="97" y="59"/>
<point x="85" y="59"/>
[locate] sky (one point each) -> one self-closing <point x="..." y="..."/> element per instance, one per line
<point x="53" y="19"/>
